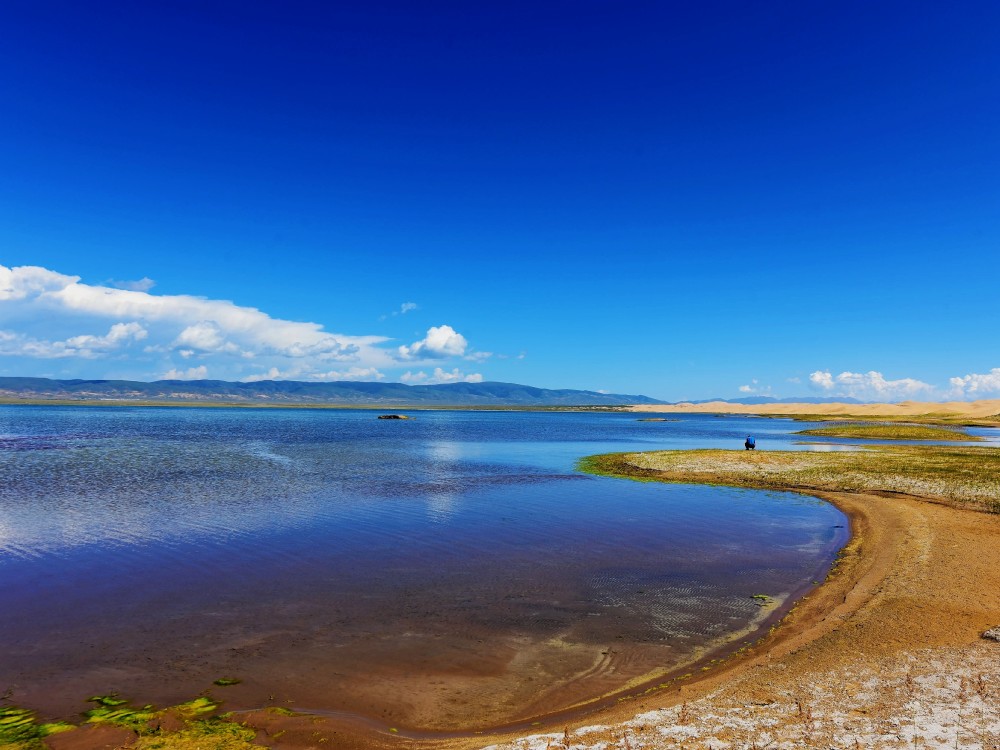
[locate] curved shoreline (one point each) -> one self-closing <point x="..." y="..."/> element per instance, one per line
<point x="916" y="577"/>
<point x="806" y="615"/>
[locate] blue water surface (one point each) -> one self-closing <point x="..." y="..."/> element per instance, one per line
<point x="125" y="531"/>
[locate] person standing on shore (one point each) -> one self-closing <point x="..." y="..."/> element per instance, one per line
<point x="751" y="443"/>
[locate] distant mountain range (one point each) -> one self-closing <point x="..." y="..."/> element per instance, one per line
<point x="348" y="393"/>
<point x="289" y="392"/>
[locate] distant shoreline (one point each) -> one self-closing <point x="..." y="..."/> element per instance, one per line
<point x="983" y="413"/>
<point x="973" y="413"/>
<point x="306" y="405"/>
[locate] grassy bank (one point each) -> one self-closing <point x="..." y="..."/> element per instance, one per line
<point x="193" y="725"/>
<point x="967" y="476"/>
<point x="870" y="431"/>
<point x="944" y="419"/>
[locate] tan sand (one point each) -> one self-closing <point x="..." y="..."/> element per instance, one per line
<point x="980" y="410"/>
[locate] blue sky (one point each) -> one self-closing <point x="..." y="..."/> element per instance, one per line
<point x="685" y="200"/>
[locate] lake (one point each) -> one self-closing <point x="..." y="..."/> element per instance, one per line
<point x="441" y="573"/>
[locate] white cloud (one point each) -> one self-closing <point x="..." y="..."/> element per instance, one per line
<point x="455" y="376"/>
<point x="47" y="314"/>
<point x="119" y="333"/>
<point x="84" y="346"/>
<point x="403" y="309"/>
<point x="754" y="387"/>
<point x="822" y="380"/>
<point x="141" y="285"/>
<point x="478" y="356"/>
<point x="870" y="386"/>
<point x="204" y="336"/>
<point x="976" y="385"/>
<point x="440" y="342"/>
<point x="351" y="373"/>
<point x="441" y="376"/>
<point x="192" y="373"/>
<point x="24" y="281"/>
<point x="302" y="373"/>
<point x="247" y="325"/>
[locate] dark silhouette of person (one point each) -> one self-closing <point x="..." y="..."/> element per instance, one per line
<point x="750" y="444"/>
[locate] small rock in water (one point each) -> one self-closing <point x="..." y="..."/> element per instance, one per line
<point x="993" y="633"/>
<point x="393" y="416"/>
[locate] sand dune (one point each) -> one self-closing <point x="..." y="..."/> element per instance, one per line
<point x="988" y="409"/>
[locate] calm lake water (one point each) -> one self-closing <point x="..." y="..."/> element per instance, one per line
<point x="445" y="572"/>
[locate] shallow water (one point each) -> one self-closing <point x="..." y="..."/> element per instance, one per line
<point x="449" y="571"/>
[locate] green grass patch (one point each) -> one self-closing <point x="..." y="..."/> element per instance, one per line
<point x="21" y="730"/>
<point x="111" y="709"/>
<point x="967" y="476"/>
<point x="890" y="432"/>
<point x="944" y="418"/>
<point x="216" y="734"/>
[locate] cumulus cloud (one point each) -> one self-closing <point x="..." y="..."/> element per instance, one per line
<point x="24" y="281"/>
<point x="47" y="314"/>
<point x="440" y="342"/>
<point x="204" y="336"/>
<point x="84" y="346"/>
<point x="174" y="326"/>
<point x="192" y="373"/>
<point x="118" y="334"/>
<point x="870" y="386"/>
<point x="976" y="385"/>
<point x="440" y="376"/>
<point x="822" y="380"/>
<point x="248" y="325"/>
